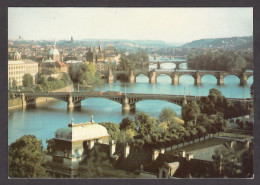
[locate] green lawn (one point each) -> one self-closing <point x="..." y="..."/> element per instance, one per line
<point x="199" y="145"/>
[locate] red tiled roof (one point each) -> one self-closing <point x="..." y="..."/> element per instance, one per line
<point x="61" y="64"/>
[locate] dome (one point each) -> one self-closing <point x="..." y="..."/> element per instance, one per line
<point x="53" y="51"/>
<point x="83" y="131"/>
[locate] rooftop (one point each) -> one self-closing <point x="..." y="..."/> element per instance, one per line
<point x="81" y="131"/>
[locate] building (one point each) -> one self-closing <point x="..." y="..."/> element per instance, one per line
<point x="17" y="69"/>
<point x="54" y="53"/>
<point x="62" y="67"/>
<point x="70" y="145"/>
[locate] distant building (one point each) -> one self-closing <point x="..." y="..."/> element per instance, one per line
<point x="62" y="67"/>
<point x="17" y="69"/>
<point x="71" y="40"/>
<point x="70" y="146"/>
<point x="54" y="53"/>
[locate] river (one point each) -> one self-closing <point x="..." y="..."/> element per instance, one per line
<point x="44" y="120"/>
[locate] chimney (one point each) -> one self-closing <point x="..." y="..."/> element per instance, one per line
<point x="90" y="144"/>
<point x="112" y="148"/>
<point x="182" y="153"/>
<point x="162" y="150"/>
<point x="155" y="154"/>
<point x="189" y="156"/>
<point x="126" y="150"/>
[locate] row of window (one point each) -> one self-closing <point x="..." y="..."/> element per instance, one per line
<point x="16" y="67"/>
<point x="16" y="72"/>
<point x="15" y="78"/>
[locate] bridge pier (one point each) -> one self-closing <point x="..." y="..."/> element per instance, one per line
<point x="125" y="103"/>
<point x="197" y="79"/>
<point x="220" y="79"/>
<point x="243" y="79"/>
<point x="110" y="77"/>
<point x="131" y="77"/>
<point x="177" y="66"/>
<point x="175" y="79"/>
<point x="158" y="65"/>
<point x="72" y="104"/>
<point x="152" y="77"/>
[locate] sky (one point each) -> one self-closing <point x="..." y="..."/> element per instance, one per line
<point x="166" y="24"/>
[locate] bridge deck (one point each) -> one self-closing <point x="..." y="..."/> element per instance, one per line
<point x="116" y="95"/>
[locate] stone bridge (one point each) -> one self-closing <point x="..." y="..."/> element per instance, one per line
<point x="177" y="63"/>
<point x="175" y="75"/>
<point x="128" y="100"/>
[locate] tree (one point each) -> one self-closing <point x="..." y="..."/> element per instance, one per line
<point x="201" y="131"/>
<point x="220" y="123"/>
<point x="10" y="95"/>
<point x="145" y="124"/>
<point x="26" y="158"/>
<point x="87" y="73"/>
<point x="66" y="78"/>
<point x="127" y="123"/>
<point x="236" y="163"/>
<point x="112" y="129"/>
<point x="190" y="112"/>
<point x="27" y="80"/>
<point x="167" y="114"/>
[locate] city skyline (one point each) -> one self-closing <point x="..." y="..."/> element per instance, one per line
<point x="134" y="23"/>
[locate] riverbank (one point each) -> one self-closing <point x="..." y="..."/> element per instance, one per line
<point x="16" y="103"/>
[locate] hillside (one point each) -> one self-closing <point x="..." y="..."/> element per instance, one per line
<point x="237" y="43"/>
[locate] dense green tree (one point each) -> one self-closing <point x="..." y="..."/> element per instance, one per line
<point x="236" y="163"/>
<point x="220" y="124"/>
<point x="27" y="80"/>
<point x="145" y="124"/>
<point x="112" y="129"/>
<point x="26" y="158"/>
<point x="190" y="112"/>
<point x="201" y="131"/>
<point x="10" y="95"/>
<point x="221" y="60"/>
<point x="167" y="114"/>
<point x="87" y="74"/>
<point x="127" y="123"/>
<point x="66" y="78"/>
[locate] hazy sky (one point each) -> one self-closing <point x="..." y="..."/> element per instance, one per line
<point x="167" y="24"/>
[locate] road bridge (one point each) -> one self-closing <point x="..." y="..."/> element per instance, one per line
<point x="127" y="100"/>
<point x="176" y="74"/>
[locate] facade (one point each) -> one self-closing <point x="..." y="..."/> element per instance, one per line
<point x="17" y="69"/>
<point x="70" y="146"/>
<point x="62" y="67"/>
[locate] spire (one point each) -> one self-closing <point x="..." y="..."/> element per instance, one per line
<point x="92" y="119"/>
<point x="54" y="43"/>
<point x="100" y="47"/>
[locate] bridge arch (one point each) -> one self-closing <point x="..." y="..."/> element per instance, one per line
<point x="186" y="78"/>
<point x="164" y="78"/>
<point x="141" y="78"/>
<point x="231" y="79"/>
<point x="145" y="104"/>
<point x="168" y="65"/>
<point x="209" y="78"/>
<point x="250" y="79"/>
